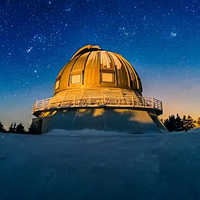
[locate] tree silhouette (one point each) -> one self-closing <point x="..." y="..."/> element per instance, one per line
<point x="16" y="128"/>
<point x="2" y="128"/>
<point x="178" y="124"/>
<point x="20" y="128"/>
<point x="170" y="123"/>
<point x="188" y="123"/>
<point x="12" y="128"/>
<point x="31" y="130"/>
<point x="198" y="122"/>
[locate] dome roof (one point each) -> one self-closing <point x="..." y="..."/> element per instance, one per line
<point x="92" y="67"/>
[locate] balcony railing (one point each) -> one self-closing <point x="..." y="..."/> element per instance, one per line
<point x="96" y="101"/>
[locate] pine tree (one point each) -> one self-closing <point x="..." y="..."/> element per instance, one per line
<point x="188" y="123"/>
<point x="11" y="129"/>
<point x="198" y="122"/>
<point x="2" y="128"/>
<point x="178" y="124"/>
<point x="20" y="128"/>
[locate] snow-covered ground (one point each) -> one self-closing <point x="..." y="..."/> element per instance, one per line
<point x="98" y="166"/>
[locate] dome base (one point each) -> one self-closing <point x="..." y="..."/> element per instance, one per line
<point x="106" y="119"/>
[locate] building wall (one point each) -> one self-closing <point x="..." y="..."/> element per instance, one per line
<point x="109" y="119"/>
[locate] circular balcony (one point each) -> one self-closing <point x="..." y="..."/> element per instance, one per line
<point x="104" y="100"/>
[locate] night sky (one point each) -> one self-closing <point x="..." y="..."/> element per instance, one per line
<point x="161" y="39"/>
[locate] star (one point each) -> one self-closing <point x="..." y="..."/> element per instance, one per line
<point x="68" y="9"/>
<point x="29" y="49"/>
<point x="173" y="34"/>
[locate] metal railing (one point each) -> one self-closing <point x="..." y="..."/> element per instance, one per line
<point x="95" y="101"/>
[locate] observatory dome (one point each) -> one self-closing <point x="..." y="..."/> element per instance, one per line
<point x="98" y="90"/>
<point x="92" y="67"/>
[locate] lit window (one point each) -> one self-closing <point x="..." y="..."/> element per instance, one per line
<point x="107" y="77"/>
<point x="57" y="84"/>
<point x="76" y="79"/>
<point x="54" y="112"/>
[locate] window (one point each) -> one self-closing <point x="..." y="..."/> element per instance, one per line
<point x="57" y="84"/>
<point x="108" y="77"/>
<point x="76" y="79"/>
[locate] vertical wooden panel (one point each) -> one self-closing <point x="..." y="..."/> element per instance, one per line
<point x="91" y="73"/>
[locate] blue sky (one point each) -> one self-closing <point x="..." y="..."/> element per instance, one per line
<point x="161" y="39"/>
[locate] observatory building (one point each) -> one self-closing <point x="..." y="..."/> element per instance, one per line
<point x="99" y="90"/>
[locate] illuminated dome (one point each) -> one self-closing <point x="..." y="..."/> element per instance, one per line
<point x="92" y="67"/>
<point x="98" y="90"/>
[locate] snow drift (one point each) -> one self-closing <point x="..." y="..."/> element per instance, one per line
<point x="77" y="165"/>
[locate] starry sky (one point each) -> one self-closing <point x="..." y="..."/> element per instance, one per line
<point x="161" y="39"/>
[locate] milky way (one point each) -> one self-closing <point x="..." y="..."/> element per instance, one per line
<point x="161" y="39"/>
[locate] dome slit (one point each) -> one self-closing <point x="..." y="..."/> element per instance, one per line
<point x="69" y="75"/>
<point x="84" y="67"/>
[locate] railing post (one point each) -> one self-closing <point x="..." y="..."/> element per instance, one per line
<point x="132" y="100"/>
<point x="89" y="100"/>
<point x="104" y="99"/>
<point x="152" y="103"/>
<point x="74" y="100"/>
<point x="143" y="102"/>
